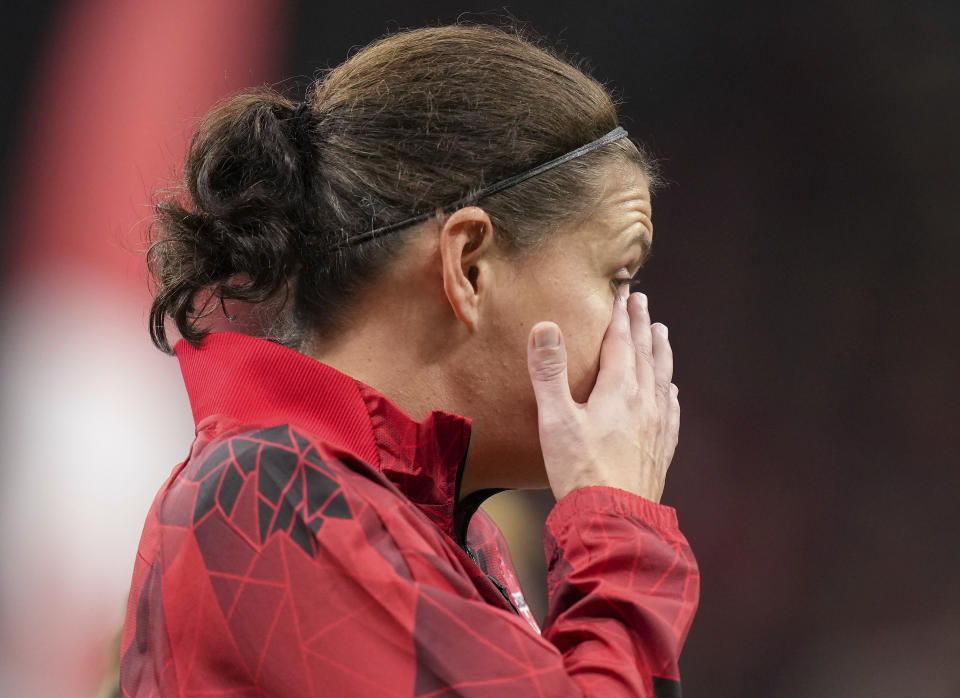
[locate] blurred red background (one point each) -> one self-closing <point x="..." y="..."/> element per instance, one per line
<point x="804" y="260"/>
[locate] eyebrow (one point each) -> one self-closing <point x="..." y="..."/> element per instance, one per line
<point x="645" y="246"/>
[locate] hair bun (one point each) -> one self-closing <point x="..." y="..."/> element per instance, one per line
<point x="238" y="231"/>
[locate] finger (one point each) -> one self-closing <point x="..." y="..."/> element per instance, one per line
<point x="642" y="341"/>
<point x="672" y="425"/>
<point x="662" y="364"/>
<point x="617" y="362"/>
<point x="547" y="363"/>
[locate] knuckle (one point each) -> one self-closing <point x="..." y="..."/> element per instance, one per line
<point x="645" y="353"/>
<point x="558" y="422"/>
<point x="549" y="370"/>
<point x="637" y="399"/>
<point x="651" y="420"/>
<point x="621" y="332"/>
<point x="663" y="389"/>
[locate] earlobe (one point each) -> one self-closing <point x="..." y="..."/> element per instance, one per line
<point x="465" y="240"/>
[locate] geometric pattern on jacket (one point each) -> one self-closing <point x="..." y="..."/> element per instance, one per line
<point x="313" y="544"/>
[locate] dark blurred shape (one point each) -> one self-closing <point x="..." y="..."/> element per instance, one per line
<point x="20" y="51"/>
<point x="93" y="419"/>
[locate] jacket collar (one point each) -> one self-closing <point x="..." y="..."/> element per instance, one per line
<point x="234" y="378"/>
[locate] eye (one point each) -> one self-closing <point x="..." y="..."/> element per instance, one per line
<point x="623" y="278"/>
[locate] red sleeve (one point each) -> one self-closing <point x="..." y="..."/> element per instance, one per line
<point x="623" y="588"/>
<point x="291" y="575"/>
<point x="397" y="618"/>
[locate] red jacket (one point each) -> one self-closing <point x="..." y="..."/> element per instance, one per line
<point x="313" y="544"/>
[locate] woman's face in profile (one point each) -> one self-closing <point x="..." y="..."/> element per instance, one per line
<point x="572" y="281"/>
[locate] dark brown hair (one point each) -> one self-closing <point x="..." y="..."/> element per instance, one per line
<point x="411" y="123"/>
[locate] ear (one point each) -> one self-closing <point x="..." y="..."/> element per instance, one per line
<point x="466" y="241"/>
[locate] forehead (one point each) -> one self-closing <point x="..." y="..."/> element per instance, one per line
<point x="626" y="194"/>
<point x="623" y="216"/>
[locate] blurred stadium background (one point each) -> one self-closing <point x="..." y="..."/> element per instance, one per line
<point x="805" y="259"/>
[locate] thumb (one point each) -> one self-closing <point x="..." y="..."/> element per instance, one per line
<point x="547" y="363"/>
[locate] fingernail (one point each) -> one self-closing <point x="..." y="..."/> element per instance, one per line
<point x="546" y="337"/>
<point x="643" y="300"/>
<point x="663" y="330"/>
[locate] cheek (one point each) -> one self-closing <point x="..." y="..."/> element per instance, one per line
<point x="583" y="339"/>
<point x="583" y="313"/>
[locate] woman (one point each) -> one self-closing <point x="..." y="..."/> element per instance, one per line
<point x="412" y="239"/>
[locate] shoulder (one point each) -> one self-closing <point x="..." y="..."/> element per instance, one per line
<point x="266" y="480"/>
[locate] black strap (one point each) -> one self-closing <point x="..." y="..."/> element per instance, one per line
<point x="614" y="135"/>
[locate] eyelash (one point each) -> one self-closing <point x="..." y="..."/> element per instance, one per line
<point x="633" y="281"/>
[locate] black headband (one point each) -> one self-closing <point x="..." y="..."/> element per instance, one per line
<point x="304" y="113"/>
